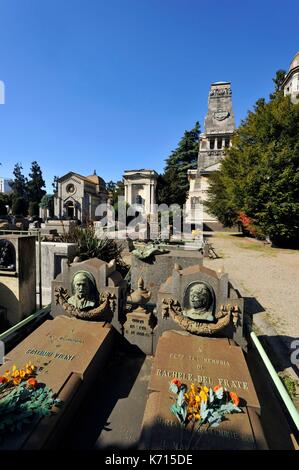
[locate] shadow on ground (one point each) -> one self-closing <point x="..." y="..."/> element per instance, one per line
<point x="276" y="422"/>
<point x="283" y="351"/>
<point x="252" y="306"/>
<point x="105" y="417"/>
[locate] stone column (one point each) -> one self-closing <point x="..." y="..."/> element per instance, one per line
<point x="148" y="198"/>
<point x="130" y="193"/>
<point x="153" y="194"/>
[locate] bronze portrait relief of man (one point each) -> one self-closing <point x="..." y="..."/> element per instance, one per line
<point x="84" y="291"/>
<point x="199" y="302"/>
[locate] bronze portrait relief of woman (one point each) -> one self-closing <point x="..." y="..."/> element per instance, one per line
<point x="199" y="301"/>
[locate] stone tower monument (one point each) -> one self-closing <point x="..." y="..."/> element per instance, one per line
<point x="219" y="127"/>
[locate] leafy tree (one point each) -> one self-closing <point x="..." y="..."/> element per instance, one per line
<point x="278" y="79"/>
<point x="20" y="206"/>
<point x="55" y="184"/>
<point x="173" y="185"/>
<point x="115" y="190"/>
<point x="35" y="185"/>
<point x="259" y="179"/>
<point x="5" y="200"/>
<point x="47" y="202"/>
<point x="33" y="208"/>
<point x="19" y="183"/>
<point x="19" y="194"/>
<point x="3" y="209"/>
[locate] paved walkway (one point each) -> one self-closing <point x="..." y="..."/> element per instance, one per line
<point x="270" y="277"/>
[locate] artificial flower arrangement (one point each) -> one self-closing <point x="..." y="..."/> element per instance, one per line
<point x="23" y="398"/>
<point x="202" y="405"/>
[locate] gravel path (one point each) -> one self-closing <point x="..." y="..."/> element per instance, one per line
<point x="270" y="275"/>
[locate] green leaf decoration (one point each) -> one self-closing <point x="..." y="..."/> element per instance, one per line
<point x="181" y="398"/>
<point x="21" y="406"/>
<point x="211" y="411"/>
<point x="184" y="413"/>
<point x="219" y="393"/>
<point x="173" y="388"/>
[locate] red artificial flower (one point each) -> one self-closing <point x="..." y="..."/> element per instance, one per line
<point x="234" y="397"/>
<point x="3" y="380"/>
<point x="32" y="382"/>
<point x="176" y="382"/>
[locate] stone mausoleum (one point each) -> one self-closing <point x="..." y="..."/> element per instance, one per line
<point x="78" y="196"/>
<point x="219" y="127"/>
<point x="140" y="188"/>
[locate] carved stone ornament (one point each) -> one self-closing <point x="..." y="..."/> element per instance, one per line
<point x="149" y="250"/>
<point x="140" y="296"/>
<point x="215" y="153"/>
<point x="171" y="307"/>
<point x="216" y="92"/>
<point x="221" y="115"/>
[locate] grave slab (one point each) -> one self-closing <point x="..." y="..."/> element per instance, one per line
<point x="202" y="361"/>
<point x="70" y="353"/>
<point x="162" y="431"/>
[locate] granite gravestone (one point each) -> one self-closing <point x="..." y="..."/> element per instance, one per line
<point x="202" y="302"/>
<point x="52" y="255"/>
<point x="201" y="361"/>
<point x="139" y="328"/>
<point x="157" y="268"/>
<point x="161" y="430"/>
<point x="70" y="353"/>
<point x="90" y="290"/>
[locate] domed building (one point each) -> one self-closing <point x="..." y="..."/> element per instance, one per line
<point x="77" y="196"/>
<point x="290" y="84"/>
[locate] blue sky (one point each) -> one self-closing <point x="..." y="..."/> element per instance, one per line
<point x="112" y="85"/>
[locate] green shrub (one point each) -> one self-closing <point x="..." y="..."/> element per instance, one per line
<point x="33" y="208"/>
<point x="89" y="246"/>
<point x="19" y="206"/>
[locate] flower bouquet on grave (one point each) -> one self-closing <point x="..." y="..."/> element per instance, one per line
<point x="23" y="398"/>
<point x="199" y="406"/>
